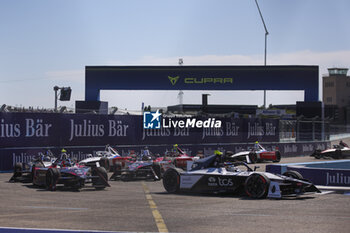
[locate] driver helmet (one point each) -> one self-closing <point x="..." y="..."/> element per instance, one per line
<point x="256" y="145"/>
<point x="145" y="150"/>
<point x="217" y="152"/>
<point x="64" y="154"/>
<point x="174" y="150"/>
<point x="343" y="143"/>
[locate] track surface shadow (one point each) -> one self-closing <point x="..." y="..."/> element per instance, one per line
<point x="63" y="188"/>
<point x="240" y="195"/>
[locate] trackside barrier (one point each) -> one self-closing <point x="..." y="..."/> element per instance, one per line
<point x="34" y="230"/>
<point x="326" y="173"/>
<point x="10" y="156"/>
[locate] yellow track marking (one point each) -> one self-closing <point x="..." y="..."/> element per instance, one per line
<point x="156" y="214"/>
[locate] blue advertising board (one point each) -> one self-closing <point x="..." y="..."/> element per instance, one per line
<point x="29" y="133"/>
<point x="201" y="78"/>
<point x="326" y="173"/>
<point x="53" y="129"/>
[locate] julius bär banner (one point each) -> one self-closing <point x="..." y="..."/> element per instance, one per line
<point x="53" y="129"/>
<point x="29" y="130"/>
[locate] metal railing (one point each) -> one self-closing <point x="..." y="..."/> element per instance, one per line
<point x="304" y="130"/>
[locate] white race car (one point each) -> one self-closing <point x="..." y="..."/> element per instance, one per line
<point x="340" y="151"/>
<point x="256" y="154"/>
<point x="210" y="175"/>
<point x="105" y="158"/>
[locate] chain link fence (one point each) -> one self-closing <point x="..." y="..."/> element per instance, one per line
<point x="304" y="130"/>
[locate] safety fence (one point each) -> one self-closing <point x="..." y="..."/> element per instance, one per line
<point x="304" y="130"/>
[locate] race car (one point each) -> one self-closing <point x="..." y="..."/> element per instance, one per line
<point x="178" y="157"/>
<point x="121" y="163"/>
<point x="340" y="151"/>
<point x="23" y="172"/>
<point x="146" y="166"/>
<point x="257" y="154"/>
<point x="141" y="170"/>
<point x="70" y="174"/>
<point x="211" y="175"/>
<point x="105" y="158"/>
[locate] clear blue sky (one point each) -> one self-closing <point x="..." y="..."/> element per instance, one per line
<point x="46" y="43"/>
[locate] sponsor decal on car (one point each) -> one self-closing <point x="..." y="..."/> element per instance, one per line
<point x="274" y="190"/>
<point x="222" y="182"/>
<point x="212" y="182"/>
<point x="189" y="181"/>
<point x="225" y="182"/>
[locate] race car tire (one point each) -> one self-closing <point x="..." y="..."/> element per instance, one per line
<point x="32" y="173"/>
<point x="126" y="176"/>
<point x="253" y="157"/>
<point x="157" y="169"/>
<point x="257" y="186"/>
<point x="171" y="181"/>
<point x="278" y="157"/>
<point x="17" y="170"/>
<point x="104" y="163"/>
<point x="293" y="174"/>
<point x="175" y="162"/>
<point x="100" y="182"/>
<point x="337" y="154"/>
<point x="317" y="154"/>
<point x="52" y="177"/>
<point x="117" y="170"/>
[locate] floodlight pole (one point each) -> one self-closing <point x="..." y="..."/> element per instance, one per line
<point x="266" y="33"/>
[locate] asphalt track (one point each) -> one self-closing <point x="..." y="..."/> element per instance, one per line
<point x="144" y="206"/>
